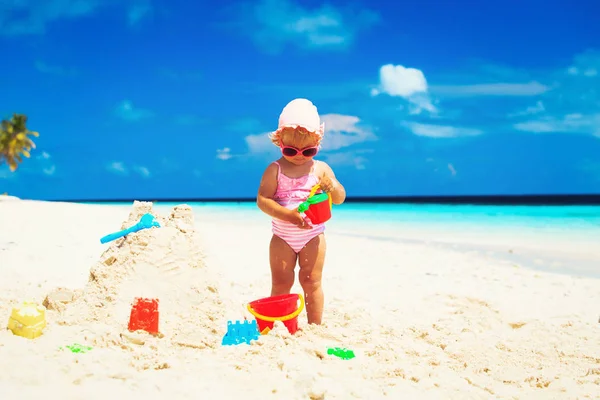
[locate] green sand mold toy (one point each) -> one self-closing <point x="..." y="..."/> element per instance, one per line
<point x="77" y="348"/>
<point x="344" y="354"/>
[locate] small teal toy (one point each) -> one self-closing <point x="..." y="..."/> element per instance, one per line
<point x="239" y="332"/>
<point x="146" y="221"/>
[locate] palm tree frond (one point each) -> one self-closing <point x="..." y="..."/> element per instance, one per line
<point x="15" y="141"/>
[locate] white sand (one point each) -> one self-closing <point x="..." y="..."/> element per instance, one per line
<point x="424" y="321"/>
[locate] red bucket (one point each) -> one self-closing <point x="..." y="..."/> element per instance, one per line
<point x="319" y="212"/>
<point x="282" y="308"/>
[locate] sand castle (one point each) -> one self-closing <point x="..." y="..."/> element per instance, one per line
<point x="165" y="263"/>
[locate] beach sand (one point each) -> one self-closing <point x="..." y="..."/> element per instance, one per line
<point x="425" y="322"/>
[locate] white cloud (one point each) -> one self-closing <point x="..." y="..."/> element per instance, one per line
<point x="531" y="110"/>
<point x="51" y="170"/>
<point x="260" y="144"/>
<point x="143" y="171"/>
<point x="125" y="110"/>
<point x="343" y="131"/>
<point x="452" y="170"/>
<point x="588" y="72"/>
<point x="441" y="131"/>
<point x="117" y="167"/>
<point x="419" y="103"/>
<point x="397" y="80"/>
<point x="564" y="100"/>
<point x="355" y="159"/>
<point x="492" y="89"/>
<point x="276" y="23"/>
<point x="120" y="168"/>
<point x="585" y="64"/>
<point x="407" y="83"/>
<point x="46" y="163"/>
<point x="32" y="17"/>
<point x="574" y="106"/>
<point x="42" y="163"/>
<point x="224" y="154"/>
<point x="441" y="166"/>
<point x="570" y="123"/>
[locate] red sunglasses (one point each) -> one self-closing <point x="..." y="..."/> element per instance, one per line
<point x="290" y="151"/>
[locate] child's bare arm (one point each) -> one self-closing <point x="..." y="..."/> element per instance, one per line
<point x="266" y="191"/>
<point x="331" y="185"/>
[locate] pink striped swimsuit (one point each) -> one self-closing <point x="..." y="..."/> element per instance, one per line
<point x="290" y="193"/>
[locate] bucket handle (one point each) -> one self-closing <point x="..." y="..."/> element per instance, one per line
<point x="305" y="205"/>
<point x="282" y="319"/>
<point x="313" y="191"/>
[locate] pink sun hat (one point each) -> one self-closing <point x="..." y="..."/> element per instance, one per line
<point x="301" y="113"/>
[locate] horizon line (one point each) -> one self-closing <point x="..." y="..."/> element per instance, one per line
<point x="516" y="199"/>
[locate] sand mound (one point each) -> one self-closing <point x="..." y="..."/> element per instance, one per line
<point x="165" y="263"/>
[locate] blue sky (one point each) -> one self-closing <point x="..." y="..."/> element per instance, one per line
<point x="156" y="98"/>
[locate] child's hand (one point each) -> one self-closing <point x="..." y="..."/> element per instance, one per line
<point x="298" y="220"/>
<point x="327" y="184"/>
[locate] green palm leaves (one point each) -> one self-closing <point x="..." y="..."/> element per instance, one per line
<point x="15" y="141"/>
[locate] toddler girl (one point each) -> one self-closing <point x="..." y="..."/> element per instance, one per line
<point x="285" y="184"/>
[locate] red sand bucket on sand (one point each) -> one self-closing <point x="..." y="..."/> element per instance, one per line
<point x="317" y="207"/>
<point x="282" y="308"/>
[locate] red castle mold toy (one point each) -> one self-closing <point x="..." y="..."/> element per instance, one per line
<point x="144" y="315"/>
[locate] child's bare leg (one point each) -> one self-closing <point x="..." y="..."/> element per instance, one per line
<point x="311" y="259"/>
<point x="283" y="261"/>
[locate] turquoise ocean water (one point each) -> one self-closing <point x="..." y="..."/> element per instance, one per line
<point x="381" y="214"/>
<point x="567" y="237"/>
<point x="581" y="221"/>
<point x="562" y="217"/>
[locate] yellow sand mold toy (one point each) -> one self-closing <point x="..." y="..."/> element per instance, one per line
<point x="28" y="320"/>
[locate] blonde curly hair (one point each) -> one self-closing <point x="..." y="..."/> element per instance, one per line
<point x="298" y="137"/>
